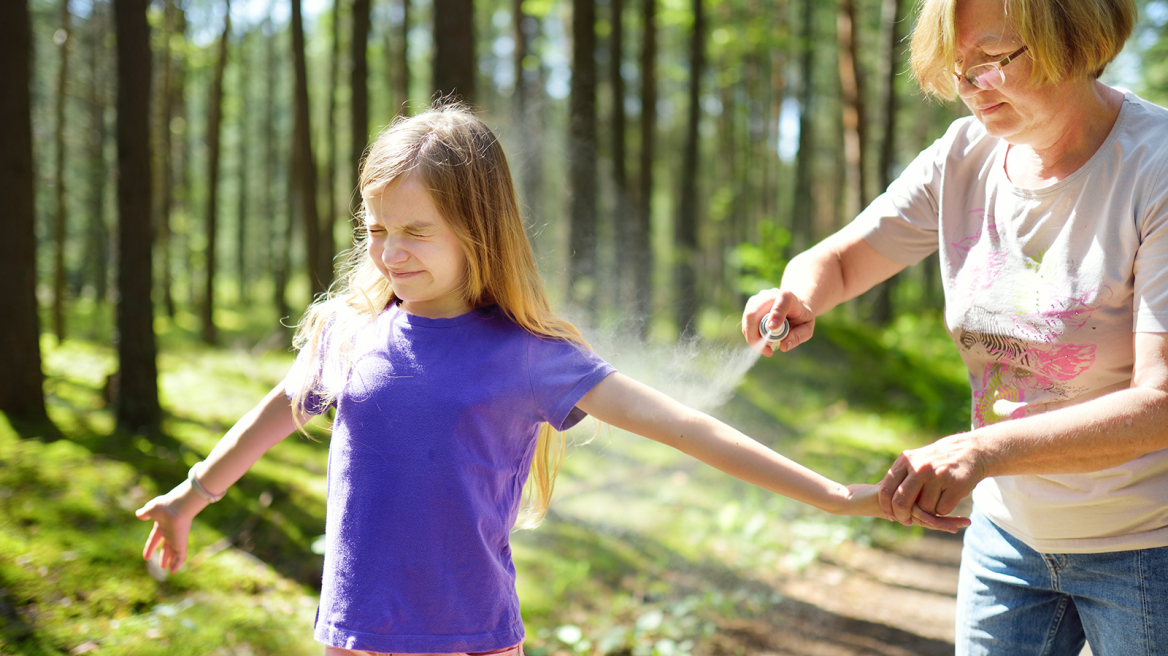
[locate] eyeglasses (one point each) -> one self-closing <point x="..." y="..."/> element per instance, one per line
<point x="991" y="75"/>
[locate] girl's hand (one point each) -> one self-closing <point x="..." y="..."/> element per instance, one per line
<point x="172" y="516"/>
<point x="863" y="499"/>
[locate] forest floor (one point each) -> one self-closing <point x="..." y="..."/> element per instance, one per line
<point x="856" y="601"/>
<point x="645" y="551"/>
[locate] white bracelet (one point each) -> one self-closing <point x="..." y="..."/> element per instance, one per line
<point x="193" y="477"/>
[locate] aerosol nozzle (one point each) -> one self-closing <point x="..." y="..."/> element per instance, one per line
<point x="773" y="336"/>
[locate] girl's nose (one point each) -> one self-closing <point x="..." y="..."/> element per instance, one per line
<point x="393" y="253"/>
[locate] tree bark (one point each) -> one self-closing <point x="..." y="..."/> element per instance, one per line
<point x="686" y="228"/>
<point x="529" y="119"/>
<point x="359" y="89"/>
<point x="582" y="165"/>
<point x="641" y="237"/>
<point x="165" y="163"/>
<point x="623" y="227"/>
<point x="882" y="310"/>
<point x="803" y="207"/>
<point x="214" y="120"/>
<point x="303" y="165"/>
<point x="327" y="243"/>
<point x="97" y="233"/>
<point x="181" y="161"/>
<point x="241" y="248"/>
<point x="21" y="392"/>
<point x="401" y="71"/>
<point x="136" y="405"/>
<point x="59" y="220"/>
<point x="279" y="235"/>
<point x="454" y="52"/>
<point x="854" y="111"/>
<point x="519" y="26"/>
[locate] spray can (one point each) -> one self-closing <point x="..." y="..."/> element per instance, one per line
<point x="773" y="337"/>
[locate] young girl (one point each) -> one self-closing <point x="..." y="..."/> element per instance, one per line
<point x="452" y="380"/>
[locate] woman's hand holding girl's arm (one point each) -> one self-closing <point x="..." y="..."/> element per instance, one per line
<point x="623" y="402"/>
<point x="172" y="513"/>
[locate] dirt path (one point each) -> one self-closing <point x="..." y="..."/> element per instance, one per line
<point x="857" y="600"/>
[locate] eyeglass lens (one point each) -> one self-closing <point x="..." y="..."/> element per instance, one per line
<point x="986" y="76"/>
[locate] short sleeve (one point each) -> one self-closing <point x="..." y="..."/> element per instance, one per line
<point x="902" y="223"/>
<point x="306" y="374"/>
<point x="561" y="374"/>
<point x="1150" y="269"/>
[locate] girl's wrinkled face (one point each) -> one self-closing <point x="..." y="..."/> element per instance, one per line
<point x="415" y="249"/>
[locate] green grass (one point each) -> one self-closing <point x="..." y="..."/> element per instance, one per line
<point x="645" y="551"/>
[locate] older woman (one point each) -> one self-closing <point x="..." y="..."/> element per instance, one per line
<point x="1049" y="208"/>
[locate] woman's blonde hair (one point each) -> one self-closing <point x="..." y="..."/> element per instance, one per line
<point x="460" y="162"/>
<point x="1067" y="39"/>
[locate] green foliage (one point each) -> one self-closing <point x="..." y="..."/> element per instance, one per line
<point x="761" y="263"/>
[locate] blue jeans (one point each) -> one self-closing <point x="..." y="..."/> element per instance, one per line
<point x="1015" y="601"/>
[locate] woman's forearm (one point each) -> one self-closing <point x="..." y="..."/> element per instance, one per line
<point x="1091" y="436"/>
<point x="836" y="270"/>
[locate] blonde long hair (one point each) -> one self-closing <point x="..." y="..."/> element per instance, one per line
<point x="461" y="163"/>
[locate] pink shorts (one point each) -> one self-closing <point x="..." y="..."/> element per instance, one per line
<point x="517" y="650"/>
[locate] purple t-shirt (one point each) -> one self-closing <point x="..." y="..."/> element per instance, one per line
<point x="435" y="429"/>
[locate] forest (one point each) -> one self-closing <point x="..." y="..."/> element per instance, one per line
<point x="180" y="177"/>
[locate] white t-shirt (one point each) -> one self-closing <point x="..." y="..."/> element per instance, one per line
<point x="1043" y="290"/>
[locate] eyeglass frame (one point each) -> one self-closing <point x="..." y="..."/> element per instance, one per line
<point x="996" y="65"/>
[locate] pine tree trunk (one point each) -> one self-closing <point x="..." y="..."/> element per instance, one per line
<point x="519" y="25"/>
<point x="529" y="111"/>
<point x="214" y="121"/>
<point x="21" y="394"/>
<point x="97" y="233"/>
<point x="454" y="49"/>
<point x="303" y="164"/>
<point x="519" y="102"/>
<point x="622" y="221"/>
<point x="803" y="208"/>
<point x="241" y="245"/>
<point x="582" y="166"/>
<point x="401" y="65"/>
<point x="278" y="262"/>
<point x="165" y="163"/>
<point x="59" y="274"/>
<point x="882" y="310"/>
<point x="686" y="304"/>
<point x="854" y="114"/>
<point x="359" y="88"/>
<point x="641" y="237"/>
<point x="327" y="242"/>
<point x="136" y="404"/>
<point x="181" y="161"/>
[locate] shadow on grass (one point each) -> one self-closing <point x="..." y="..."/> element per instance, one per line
<point x="755" y="619"/>
<point x="34" y="427"/>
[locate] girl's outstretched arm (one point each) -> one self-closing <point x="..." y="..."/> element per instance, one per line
<point x="172" y="513"/>
<point x="625" y="403"/>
